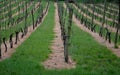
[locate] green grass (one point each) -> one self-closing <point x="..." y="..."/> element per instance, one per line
<point x="91" y="57"/>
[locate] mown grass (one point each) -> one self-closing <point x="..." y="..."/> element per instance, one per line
<point x="91" y="57"/>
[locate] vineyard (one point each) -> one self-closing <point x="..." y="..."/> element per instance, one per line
<point x="57" y="37"/>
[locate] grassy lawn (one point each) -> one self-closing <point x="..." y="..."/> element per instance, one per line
<point x="91" y="57"/>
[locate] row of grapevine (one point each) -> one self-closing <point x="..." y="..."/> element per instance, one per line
<point x="97" y="23"/>
<point x="65" y="20"/>
<point x="31" y="15"/>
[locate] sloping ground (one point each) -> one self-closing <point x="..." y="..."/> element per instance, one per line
<point x="91" y="57"/>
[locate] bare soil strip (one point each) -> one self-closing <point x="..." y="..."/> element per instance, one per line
<point x="99" y="39"/>
<point x="56" y="58"/>
<point x="12" y="50"/>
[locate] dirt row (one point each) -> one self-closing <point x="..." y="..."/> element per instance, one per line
<point x="56" y="58"/>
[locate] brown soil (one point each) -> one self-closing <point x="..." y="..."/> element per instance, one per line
<point x="99" y="39"/>
<point x="12" y="50"/>
<point x="56" y="58"/>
